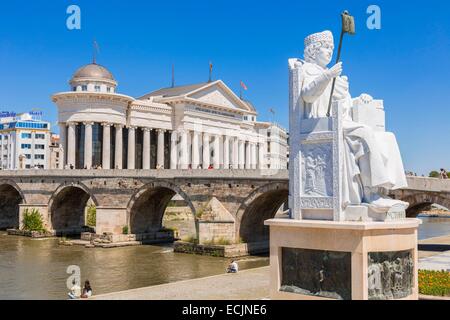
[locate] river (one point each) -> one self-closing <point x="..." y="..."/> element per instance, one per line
<point x="36" y="269"/>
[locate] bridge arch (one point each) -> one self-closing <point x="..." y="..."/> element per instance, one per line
<point x="146" y="208"/>
<point x="260" y="205"/>
<point x="67" y="206"/>
<point x="11" y="196"/>
<point x="420" y="201"/>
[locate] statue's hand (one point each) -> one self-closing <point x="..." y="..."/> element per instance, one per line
<point x="334" y="71"/>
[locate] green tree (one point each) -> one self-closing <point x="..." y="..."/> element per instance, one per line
<point x="32" y="221"/>
<point x="434" y="174"/>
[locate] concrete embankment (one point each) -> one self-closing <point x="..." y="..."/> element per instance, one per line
<point x="252" y="284"/>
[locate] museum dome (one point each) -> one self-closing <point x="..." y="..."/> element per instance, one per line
<point x="93" y="71"/>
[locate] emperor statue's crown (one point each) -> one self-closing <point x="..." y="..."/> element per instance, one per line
<point x="326" y="36"/>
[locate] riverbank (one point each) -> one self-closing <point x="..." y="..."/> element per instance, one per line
<point x="252" y="284"/>
<point x="436" y="214"/>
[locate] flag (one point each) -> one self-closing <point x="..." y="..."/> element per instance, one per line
<point x="272" y="111"/>
<point x="210" y="71"/>
<point x="244" y="86"/>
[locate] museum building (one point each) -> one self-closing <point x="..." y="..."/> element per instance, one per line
<point x="199" y="126"/>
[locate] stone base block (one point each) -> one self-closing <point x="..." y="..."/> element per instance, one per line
<point x="364" y="213"/>
<point x="323" y="260"/>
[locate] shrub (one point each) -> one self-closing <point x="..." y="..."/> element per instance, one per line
<point x="33" y="221"/>
<point x="91" y="217"/>
<point x="434" y="283"/>
<point x="125" y="230"/>
<point x="434" y="174"/>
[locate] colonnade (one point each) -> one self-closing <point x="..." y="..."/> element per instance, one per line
<point x="188" y="149"/>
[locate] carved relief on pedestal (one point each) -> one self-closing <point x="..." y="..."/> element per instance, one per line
<point x="317" y="175"/>
<point x="390" y="275"/>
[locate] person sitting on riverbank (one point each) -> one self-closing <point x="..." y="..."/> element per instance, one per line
<point x="87" y="290"/>
<point x="75" y="291"/>
<point x="443" y="174"/>
<point x="233" y="267"/>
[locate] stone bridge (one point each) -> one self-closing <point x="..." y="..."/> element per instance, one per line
<point x="422" y="192"/>
<point x="230" y="204"/>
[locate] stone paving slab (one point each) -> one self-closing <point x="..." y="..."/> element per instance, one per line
<point x="252" y="284"/>
<point x="437" y="262"/>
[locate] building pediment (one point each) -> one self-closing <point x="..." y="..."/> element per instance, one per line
<point x="214" y="93"/>
<point x="218" y="93"/>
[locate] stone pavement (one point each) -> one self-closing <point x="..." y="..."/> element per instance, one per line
<point x="252" y="284"/>
<point x="434" y="254"/>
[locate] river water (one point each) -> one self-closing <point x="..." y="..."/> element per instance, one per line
<point x="36" y="269"/>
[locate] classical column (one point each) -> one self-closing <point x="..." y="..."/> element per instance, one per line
<point x="226" y="153"/>
<point x="253" y="155"/>
<point x="241" y="154"/>
<point x="216" y="152"/>
<point x="71" y="144"/>
<point x="88" y="145"/>
<point x="1" y="151"/>
<point x="248" y="156"/>
<point x="63" y="142"/>
<point x="195" y="150"/>
<point x="131" y="147"/>
<point x="106" y="152"/>
<point x="160" y="158"/>
<point x="184" y="151"/>
<point x="146" y="150"/>
<point x="118" y="151"/>
<point x="206" y="151"/>
<point x="235" y="158"/>
<point x="174" y="150"/>
<point x="262" y="154"/>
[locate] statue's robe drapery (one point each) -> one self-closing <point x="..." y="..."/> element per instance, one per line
<point x="371" y="158"/>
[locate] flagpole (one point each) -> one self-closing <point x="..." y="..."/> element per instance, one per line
<point x="173" y="75"/>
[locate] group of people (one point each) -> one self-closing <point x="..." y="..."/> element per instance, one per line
<point x="76" y="293"/>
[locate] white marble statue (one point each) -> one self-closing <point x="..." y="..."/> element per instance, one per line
<point x="372" y="160"/>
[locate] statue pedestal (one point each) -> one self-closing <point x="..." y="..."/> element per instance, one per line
<point x="319" y="260"/>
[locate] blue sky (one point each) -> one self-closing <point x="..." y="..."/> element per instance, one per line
<point x="406" y="63"/>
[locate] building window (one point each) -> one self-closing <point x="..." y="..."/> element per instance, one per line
<point x="39" y="136"/>
<point x="268" y="147"/>
<point x="74" y="89"/>
<point x="39" y="157"/>
<point x="26" y="146"/>
<point x="97" y="88"/>
<point x="26" y="135"/>
<point x="245" y="118"/>
<point x="27" y="166"/>
<point x="28" y="156"/>
<point x="84" y="88"/>
<point x="268" y="134"/>
<point x="39" y="146"/>
<point x="108" y="89"/>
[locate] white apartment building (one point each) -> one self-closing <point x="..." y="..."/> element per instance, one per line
<point x="277" y="147"/>
<point x="24" y="142"/>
